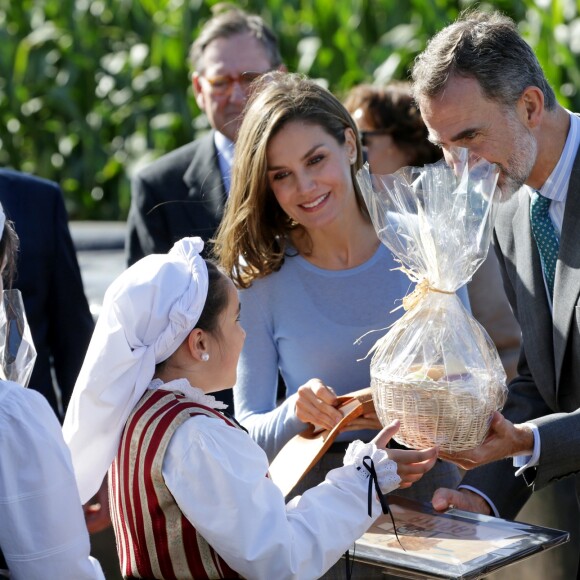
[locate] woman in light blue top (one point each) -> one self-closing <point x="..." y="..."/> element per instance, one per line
<point x="297" y="240"/>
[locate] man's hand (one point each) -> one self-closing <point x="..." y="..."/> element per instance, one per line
<point x="97" y="515"/>
<point x="504" y="439"/>
<point x="462" y="499"/>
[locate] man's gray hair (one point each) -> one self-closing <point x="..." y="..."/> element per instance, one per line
<point x="230" y="21"/>
<point x="486" y="47"/>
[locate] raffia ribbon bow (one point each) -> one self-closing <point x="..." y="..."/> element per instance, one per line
<point x="422" y="288"/>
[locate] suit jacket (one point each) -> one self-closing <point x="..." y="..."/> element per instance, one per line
<point x="180" y="194"/>
<point x="490" y="307"/>
<point x="547" y="389"/>
<point x="49" y="279"/>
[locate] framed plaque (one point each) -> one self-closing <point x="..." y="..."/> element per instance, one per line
<point x="454" y="544"/>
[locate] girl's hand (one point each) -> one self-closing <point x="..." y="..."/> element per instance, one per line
<point x="411" y="464"/>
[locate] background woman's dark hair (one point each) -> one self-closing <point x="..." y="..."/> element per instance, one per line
<point x="8" y="253"/>
<point x="391" y="109"/>
<point x="216" y="301"/>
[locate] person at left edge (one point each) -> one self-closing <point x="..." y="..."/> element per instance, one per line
<point x="49" y="279"/>
<point x="42" y="530"/>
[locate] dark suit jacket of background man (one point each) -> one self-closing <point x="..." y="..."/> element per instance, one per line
<point x="49" y="279"/>
<point x="549" y="366"/>
<point x="180" y="194"/>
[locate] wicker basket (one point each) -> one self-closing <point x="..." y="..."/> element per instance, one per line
<point x="437" y="412"/>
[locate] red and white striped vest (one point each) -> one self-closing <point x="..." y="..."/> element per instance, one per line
<point x="154" y="539"/>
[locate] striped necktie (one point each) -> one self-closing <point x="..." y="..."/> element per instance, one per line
<point x="546" y="236"/>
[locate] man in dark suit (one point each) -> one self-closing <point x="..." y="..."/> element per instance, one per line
<point x="480" y="86"/>
<point x="183" y="193"/>
<point x="49" y="279"/>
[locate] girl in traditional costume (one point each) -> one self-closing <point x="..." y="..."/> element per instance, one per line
<point x="189" y="489"/>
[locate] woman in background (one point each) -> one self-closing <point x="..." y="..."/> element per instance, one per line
<point x="391" y="127"/>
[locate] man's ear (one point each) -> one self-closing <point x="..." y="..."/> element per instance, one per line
<point x="531" y="104"/>
<point x="197" y="90"/>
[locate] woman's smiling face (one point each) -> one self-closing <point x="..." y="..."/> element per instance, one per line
<point x="309" y="172"/>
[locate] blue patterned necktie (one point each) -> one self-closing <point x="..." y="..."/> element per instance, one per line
<point x="546" y="236"/>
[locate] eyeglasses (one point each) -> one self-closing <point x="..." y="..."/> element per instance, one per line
<point x="223" y="85"/>
<point x="365" y="135"/>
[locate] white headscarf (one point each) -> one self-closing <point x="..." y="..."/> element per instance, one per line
<point x="148" y="311"/>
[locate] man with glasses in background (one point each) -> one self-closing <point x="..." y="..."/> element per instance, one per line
<point x="184" y="192"/>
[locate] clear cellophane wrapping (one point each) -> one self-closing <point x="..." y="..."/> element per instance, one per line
<point x="436" y="369"/>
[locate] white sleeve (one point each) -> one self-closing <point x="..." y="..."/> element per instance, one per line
<point x="217" y="475"/>
<point x="42" y="532"/>
<point x="524" y="462"/>
<point x="483" y="495"/>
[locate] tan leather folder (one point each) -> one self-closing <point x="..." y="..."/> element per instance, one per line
<point x="302" y="452"/>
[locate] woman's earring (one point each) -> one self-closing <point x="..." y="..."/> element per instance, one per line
<point x="205" y="357"/>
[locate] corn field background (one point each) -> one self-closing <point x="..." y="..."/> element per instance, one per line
<point x="91" y="90"/>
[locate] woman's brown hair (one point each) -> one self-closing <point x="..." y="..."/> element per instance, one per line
<point x="252" y="238"/>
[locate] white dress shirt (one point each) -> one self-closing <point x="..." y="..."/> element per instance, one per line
<point x="217" y="475"/>
<point x="42" y="527"/>
<point x="225" y="151"/>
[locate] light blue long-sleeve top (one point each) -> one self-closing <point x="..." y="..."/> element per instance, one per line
<point x="304" y="321"/>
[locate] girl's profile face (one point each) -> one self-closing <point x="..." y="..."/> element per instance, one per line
<point x="227" y="345"/>
<point x="309" y="172"/>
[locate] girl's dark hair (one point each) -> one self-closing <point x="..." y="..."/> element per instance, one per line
<point x="216" y="301"/>
<point x="215" y="304"/>
<point x="8" y="253"/>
